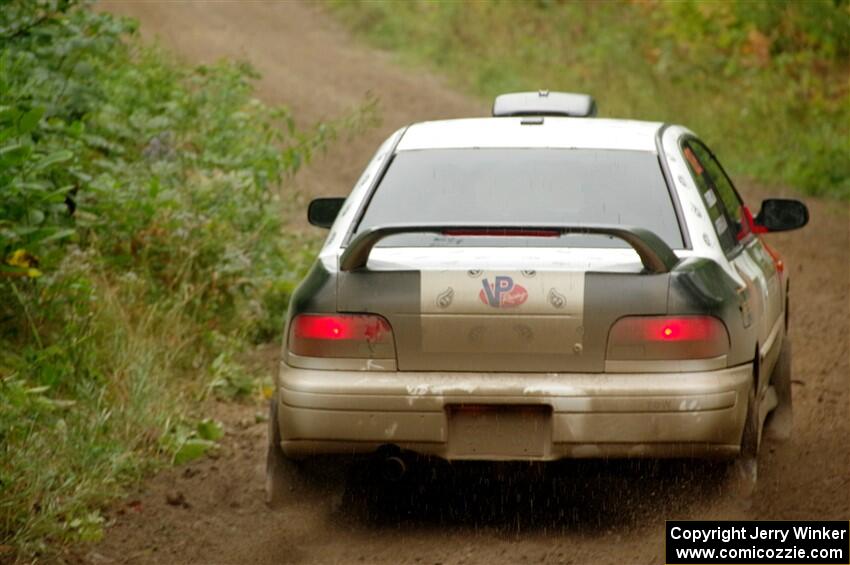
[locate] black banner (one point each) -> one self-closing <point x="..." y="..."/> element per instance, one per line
<point x="759" y="542"/>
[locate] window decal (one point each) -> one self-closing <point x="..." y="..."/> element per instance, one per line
<point x="692" y="159"/>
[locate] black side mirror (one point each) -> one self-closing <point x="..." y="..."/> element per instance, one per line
<point x="323" y="211"/>
<point x="780" y="214"/>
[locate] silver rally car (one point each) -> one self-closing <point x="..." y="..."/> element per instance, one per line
<point x="536" y="285"/>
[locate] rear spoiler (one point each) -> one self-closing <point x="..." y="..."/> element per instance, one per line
<point x="544" y="103"/>
<point x="655" y="254"/>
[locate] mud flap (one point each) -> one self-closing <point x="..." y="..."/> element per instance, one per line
<point x="779" y="424"/>
<point x="743" y="478"/>
<point x="743" y="472"/>
<point x="290" y="481"/>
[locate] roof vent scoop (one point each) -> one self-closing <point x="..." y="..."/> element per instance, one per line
<point x="544" y="103"/>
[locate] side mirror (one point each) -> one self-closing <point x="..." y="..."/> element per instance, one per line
<point x="323" y="211"/>
<point x="780" y="214"/>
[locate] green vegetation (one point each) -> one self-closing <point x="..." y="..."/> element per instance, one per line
<point x="141" y="250"/>
<point x="764" y="82"/>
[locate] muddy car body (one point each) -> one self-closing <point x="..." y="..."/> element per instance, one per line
<point x="537" y="285"/>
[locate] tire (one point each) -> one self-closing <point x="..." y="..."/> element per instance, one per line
<point x="780" y="423"/>
<point x="285" y="478"/>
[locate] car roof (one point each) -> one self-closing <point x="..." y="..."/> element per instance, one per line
<point x="531" y="132"/>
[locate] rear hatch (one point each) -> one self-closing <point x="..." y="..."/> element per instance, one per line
<point x="487" y="259"/>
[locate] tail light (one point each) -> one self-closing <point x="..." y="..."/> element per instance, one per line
<point x="638" y="338"/>
<point x="362" y="336"/>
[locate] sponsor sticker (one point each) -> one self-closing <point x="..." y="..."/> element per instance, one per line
<point x="484" y="311"/>
<point x="502" y="292"/>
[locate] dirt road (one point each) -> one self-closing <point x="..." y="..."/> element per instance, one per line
<point x="585" y="512"/>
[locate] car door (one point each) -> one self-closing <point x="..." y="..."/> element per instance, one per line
<point x="762" y="301"/>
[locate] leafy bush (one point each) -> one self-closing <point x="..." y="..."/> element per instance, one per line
<point x="764" y="82"/>
<point x="141" y="249"/>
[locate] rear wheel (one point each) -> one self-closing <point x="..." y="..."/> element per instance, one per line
<point x="781" y="421"/>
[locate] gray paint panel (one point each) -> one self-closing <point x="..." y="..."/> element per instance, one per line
<point x="502" y="340"/>
<point x="701" y="286"/>
<point x="508" y="344"/>
<point x="381" y="292"/>
<point x="610" y="296"/>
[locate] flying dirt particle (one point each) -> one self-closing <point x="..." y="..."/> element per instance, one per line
<point x="190" y="472"/>
<point x="176" y="498"/>
<point x="95" y="557"/>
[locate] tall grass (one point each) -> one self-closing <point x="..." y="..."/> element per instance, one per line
<point x="765" y="83"/>
<point x="115" y="380"/>
<point x="141" y="250"/>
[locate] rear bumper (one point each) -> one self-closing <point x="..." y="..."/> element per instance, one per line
<point x="566" y="415"/>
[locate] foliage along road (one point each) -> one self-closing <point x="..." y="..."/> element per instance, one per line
<point x="211" y="511"/>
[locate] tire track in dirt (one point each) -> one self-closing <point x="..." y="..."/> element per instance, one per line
<point x="583" y="512"/>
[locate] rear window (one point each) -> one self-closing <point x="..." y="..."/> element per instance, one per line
<point x="520" y="186"/>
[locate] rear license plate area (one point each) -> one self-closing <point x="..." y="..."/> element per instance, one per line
<point x="499" y="432"/>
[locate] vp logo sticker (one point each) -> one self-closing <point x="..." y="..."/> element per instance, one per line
<point x="503" y="293"/>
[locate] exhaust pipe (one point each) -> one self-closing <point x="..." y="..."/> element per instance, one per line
<point x="393" y="468"/>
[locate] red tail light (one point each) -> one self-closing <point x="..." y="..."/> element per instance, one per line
<point x="637" y="338"/>
<point x="363" y="336"/>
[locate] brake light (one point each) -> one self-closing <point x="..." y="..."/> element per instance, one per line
<point x="636" y="338"/>
<point x="364" y="336"/>
<point x="502" y="232"/>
